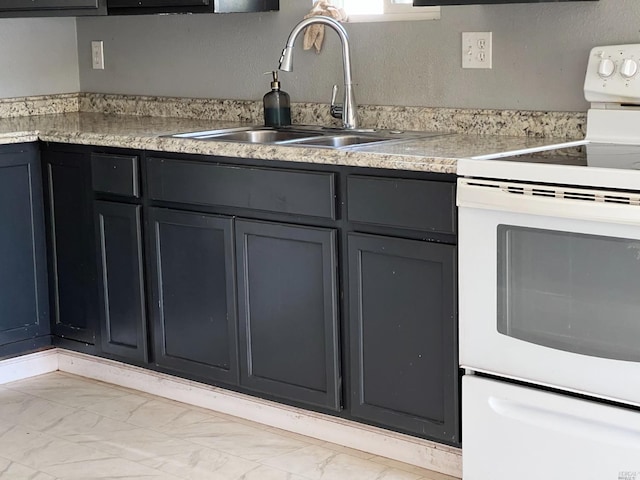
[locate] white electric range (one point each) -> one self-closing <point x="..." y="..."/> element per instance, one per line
<point x="549" y="295"/>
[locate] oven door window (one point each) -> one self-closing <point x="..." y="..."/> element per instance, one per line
<point x="569" y="291"/>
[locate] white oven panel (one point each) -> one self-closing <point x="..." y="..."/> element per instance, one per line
<point x="613" y="74"/>
<point x="518" y="432"/>
<point x="573" y="311"/>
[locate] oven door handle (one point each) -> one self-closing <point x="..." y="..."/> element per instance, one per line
<point x="568" y="422"/>
<point x="550" y="201"/>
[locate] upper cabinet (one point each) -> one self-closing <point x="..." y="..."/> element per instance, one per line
<point x="69" y="8"/>
<point x="137" y="7"/>
<point x="431" y="3"/>
<point x="52" y="8"/>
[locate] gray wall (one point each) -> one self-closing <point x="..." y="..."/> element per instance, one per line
<point x="38" y="56"/>
<point x="540" y="54"/>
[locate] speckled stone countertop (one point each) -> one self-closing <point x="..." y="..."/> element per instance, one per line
<point x="434" y="154"/>
<point x="142" y="122"/>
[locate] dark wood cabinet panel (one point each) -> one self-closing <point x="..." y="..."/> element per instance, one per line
<point x="115" y="174"/>
<point x="72" y="272"/>
<point x="430" y="3"/>
<point x="32" y="8"/>
<point x="403" y="335"/>
<point x="194" y="302"/>
<point x="288" y="316"/>
<point x="123" y="321"/>
<point x="276" y="190"/>
<point x="24" y="310"/>
<point x="402" y="203"/>
<point x="128" y="7"/>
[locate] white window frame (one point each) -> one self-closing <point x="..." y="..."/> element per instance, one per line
<point x="393" y="12"/>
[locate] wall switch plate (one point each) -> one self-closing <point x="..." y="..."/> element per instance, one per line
<point x="97" y="55"/>
<point x="476" y="50"/>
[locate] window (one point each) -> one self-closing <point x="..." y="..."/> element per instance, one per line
<point x="386" y="10"/>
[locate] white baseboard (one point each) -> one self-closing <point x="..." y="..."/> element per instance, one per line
<point x="377" y="441"/>
<point x="26" y="366"/>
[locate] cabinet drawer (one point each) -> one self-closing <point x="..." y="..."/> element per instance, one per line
<point x="266" y="189"/>
<point x="117" y="174"/>
<point x="396" y="202"/>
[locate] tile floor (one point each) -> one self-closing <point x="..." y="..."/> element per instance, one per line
<point x="61" y="426"/>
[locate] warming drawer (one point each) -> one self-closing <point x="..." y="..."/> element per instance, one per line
<point x="512" y="431"/>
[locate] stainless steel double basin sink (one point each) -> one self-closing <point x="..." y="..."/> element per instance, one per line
<point x="304" y="136"/>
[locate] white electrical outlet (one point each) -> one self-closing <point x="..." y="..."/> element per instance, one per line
<point x="97" y="54"/>
<point x="476" y="50"/>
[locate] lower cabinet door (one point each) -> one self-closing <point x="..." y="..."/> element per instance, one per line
<point x="288" y="316"/>
<point x="122" y="307"/>
<point x="404" y="369"/>
<point x="194" y="303"/>
<point x="24" y="311"/>
<point x="72" y="272"/>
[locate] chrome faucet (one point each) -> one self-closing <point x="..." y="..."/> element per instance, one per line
<point x="348" y="110"/>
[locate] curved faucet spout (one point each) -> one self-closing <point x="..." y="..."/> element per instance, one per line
<point x="348" y="113"/>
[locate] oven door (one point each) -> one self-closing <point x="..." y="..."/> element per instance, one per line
<point x="549" y="286"/>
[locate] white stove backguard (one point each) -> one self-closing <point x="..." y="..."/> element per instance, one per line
<point x="613" y="75"/>
<point x="612" y="85"/>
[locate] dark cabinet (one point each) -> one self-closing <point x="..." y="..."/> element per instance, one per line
<point x="33" y="8"/>
<point x="72" y="272"/>
<point x="119" y="7"/>
<point x="404" y="368"/>
<point x="119" y="253"/>
<point x="24" y="310"/>
<point x="194" y="301"/>
<point x="123" y="321"/>
<point x="288" y="315"/>
<point x="274" y="279"/>
<point x="429" y="3"/>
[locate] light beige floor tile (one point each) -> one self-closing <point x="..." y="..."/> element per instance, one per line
<point x="10" y="470"/>
<point x="296" y="436"/>
<point x="348" y="451"/>
<point x="27" y="409"/>
<point x="231" y="418"/>
<point x="68" y="427"/>
<point x="82" y="425"/>
<point x="104" y="469"/>
<point x="421" y="472"/>
<point x="67" y="390"/>
<point x="54" y="418"/>
<point x="201" y="463"/>
<point x="38" y="450"/>
<point x="120" y="408"/>
<point x="437" y="476"/>
<point x="194" y="424"/>
<point x="264" y="472"/>
<point x="135" y="445"/>
<point x="320" y="463"/>
<point x="242" y="440"/>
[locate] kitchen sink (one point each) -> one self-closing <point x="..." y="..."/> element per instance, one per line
<point x="256" y="136"/>
<point x="337" y="141"/>
<point x="252" y="134"/>
<point x="304" y="135"/>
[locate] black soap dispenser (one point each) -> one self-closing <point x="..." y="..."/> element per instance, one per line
<point x="277" y="106"/>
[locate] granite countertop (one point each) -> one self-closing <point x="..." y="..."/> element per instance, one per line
<point x="434" y="154"/>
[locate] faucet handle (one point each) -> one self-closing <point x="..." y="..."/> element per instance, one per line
<point x="336" y="110"/>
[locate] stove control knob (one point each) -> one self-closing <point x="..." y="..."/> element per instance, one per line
<point x="628" y="68"/>
<point x="606" y="68"/>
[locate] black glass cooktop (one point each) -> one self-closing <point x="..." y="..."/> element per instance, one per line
<point x="602" y="155"/>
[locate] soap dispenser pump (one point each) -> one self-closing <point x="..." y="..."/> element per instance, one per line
<point x="277" y="107"/>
